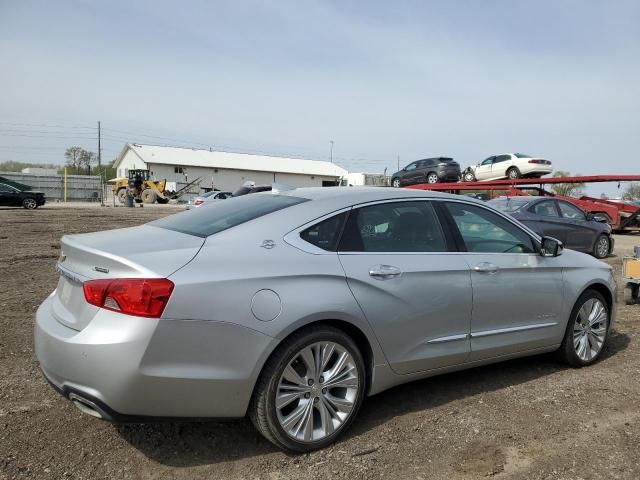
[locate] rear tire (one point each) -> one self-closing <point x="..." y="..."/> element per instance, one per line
<point x="513" y="173"/>
<point x="587" y="330"/>
<point x="121" y="194"/>
<point x="290" y="400"/>
<point x="601" y="247"/>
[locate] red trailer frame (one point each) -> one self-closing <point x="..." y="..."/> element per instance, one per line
<point x="623" y="217"/>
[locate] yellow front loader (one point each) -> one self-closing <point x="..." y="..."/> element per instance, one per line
<point x="145" y="190"/>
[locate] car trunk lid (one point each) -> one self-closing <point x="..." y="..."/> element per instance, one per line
<point x="138" y="252"/>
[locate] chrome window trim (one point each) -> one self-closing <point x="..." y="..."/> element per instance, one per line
<point x="293" y="237"/>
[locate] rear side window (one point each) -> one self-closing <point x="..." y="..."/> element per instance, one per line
<point x="393" y="227"/>
<point x="325" y="235"/>
<point x="219" y="216"/>
<point x="545" y="209"/>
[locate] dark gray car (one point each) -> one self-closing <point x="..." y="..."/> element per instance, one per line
<point x="562" y="220"/>
<point x="429" y="170"/>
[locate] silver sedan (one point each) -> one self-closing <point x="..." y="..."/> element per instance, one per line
<point x="211" y="196"/>
<point x="291" y="307"/>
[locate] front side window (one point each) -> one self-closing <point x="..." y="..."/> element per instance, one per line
<point x="393" y="227"/>
<point x="483" y="231"/>
<point x="546" y="209"/>
<point x="571" y="211"/>
<point x="220" y="216"/>
<point x="411" y="166"/>
<point x="488" y="161"/>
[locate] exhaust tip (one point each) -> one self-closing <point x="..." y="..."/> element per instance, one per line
<point x="85" y="406"/>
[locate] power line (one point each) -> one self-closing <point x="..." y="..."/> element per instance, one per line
<point x="41" y="125"/>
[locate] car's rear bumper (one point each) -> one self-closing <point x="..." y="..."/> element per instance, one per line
<point x="134" y="368"/>
<point x="535" y="168"/>
<point x="448" y="175"/>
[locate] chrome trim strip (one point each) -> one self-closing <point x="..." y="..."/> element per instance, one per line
<point x="449" y="338"/>
<point x="522" y="328"/>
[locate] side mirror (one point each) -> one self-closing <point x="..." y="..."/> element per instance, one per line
<point x="590" y="217"/>
<point x="551" y="247"/>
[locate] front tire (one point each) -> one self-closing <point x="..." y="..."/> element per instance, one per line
<point x="310" y="389"/>
<point x="29" y="204"/>
<point x="432" y="178"/>
<point x="469" y="177"/>
<point x="148" y="196"/>
<point x="601" y="247"/>
<point x="395" y="183"/>
<point x="587" y="330"/>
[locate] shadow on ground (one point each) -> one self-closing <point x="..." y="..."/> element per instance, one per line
<point x="182" y="444"/>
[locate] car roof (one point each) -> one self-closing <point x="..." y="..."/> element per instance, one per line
<point x="354" y="195"/>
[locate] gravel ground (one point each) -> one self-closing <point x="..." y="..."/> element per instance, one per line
<point x="531" y="418"/>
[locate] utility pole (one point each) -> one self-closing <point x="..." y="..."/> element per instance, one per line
<point x="331" y="152"/>
<point x="398" y="163"/>
<point x="99" y="149"/>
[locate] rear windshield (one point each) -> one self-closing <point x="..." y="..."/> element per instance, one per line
<point x="508" y="205"/>
<point x="522" y="155"/>
<point x="218" y="216"/>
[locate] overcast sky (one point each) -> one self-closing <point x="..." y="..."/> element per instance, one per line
<point x="559" y="79"/>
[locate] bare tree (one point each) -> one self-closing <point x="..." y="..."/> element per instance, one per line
<point x="567" y="189"/>
<point x="631" y="192"/>
<point x="78" y="158"/>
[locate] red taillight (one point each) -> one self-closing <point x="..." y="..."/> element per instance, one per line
<point x="143" y="297"/>
<point x="541" y="162"/>
<point x="536" y="161"/>
<point x="198" y="202"/>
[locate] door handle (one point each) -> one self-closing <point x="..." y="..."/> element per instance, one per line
<point x="486" y="267"/>
<point x="384" y="272"/>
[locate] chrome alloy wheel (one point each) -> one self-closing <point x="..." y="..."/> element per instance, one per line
<point x="590" y="329"/>
<point x="29" y="203"/>
<point x="317" y="391"/>
<point x="603" y="247"/>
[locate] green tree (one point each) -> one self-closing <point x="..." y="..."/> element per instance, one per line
<point x="631" y="192"/>
<point x="567" y="189"/>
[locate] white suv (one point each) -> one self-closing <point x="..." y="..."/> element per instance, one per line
<point x="508" y="165"/>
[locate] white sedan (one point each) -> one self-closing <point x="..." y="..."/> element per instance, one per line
<point x="508" y="165"/>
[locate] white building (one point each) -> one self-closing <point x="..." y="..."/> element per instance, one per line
<point x="225" y="171"/>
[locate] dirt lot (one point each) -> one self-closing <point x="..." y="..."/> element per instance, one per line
<point x="530" y="418"/>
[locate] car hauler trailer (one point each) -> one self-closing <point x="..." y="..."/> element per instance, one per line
<point x="623" y="217"/>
